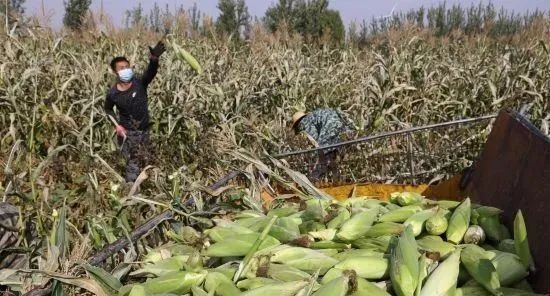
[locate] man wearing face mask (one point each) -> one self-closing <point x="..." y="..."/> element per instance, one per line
<point x="129" y="95"/>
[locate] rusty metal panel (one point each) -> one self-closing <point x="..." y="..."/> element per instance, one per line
<point x="513" y="173"/>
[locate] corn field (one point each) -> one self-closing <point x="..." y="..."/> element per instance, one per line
<point x="57" y="147"/>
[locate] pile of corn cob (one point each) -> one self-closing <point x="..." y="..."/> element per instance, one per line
<point x="407" y="246"/>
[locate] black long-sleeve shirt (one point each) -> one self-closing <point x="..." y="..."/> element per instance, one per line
<point x="132" y="104"/>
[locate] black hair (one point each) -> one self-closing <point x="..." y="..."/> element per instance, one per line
<point x="118" y="60"/>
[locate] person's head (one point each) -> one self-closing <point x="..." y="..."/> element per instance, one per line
<point x="121" y="67"/>
<point x="296" y="118"/>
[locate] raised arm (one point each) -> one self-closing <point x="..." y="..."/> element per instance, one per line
<point x="150" y="72"/>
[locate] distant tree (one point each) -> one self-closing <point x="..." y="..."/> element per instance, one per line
<point x="195" y="15"/>
<point x="233" y="17"/>
<point x="14" y="9"/>
<point x="281" y="12"/>
<point x="136" y="17"/>
<point x="75" y="10"/>
<point x="155" y="21"/>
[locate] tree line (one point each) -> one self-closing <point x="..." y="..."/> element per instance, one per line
<point x="311" y="19"/>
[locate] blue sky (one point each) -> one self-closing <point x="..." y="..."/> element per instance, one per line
<point x="349" y="9"/>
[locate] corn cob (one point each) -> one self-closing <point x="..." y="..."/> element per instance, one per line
<point x="437" y="224"/>
<point x="315" y="209"/>
<point x="311" y="226"/>
<point x="381" y="244"/>
<point x="523" y="285"/>
<point x="284" y="289"/>
<point x="444" y="277"/>
<point x="341" y="218"/>
<point x="406" y="198"/>
<point x="509" y="267"/>
<point x="331" y="274"/>
<point x="404" y="271"/>
<point x="365" y="288"/>
<point x="282" y="212"/>
<point x="477" y="262"/>
<point x="448" y="204"/>
<point x="162" y="267"/>
<point x="183" y="55"/>
<point x="522" y="243"/>
<point x="360" y="202"/>
<point x="366" y="267"/>
<point x="358" y="225"/>
<point x="423" y="271"/>
<point x="492" y="227"/>
<point x="284" y="273"/>
<point x="304" y="259"/>
<point x="326" y="234"/>
<point x="418" y="220"/>
<point x="474" y="235"/>
<point x="339" y="286"/>
<point x="219" y="233"/>
<point x="436" y="244"/>
<point x="384" y="228"/>
<point x="357" y="253"/>
<point x="329" y="245"/>
<point x="176" y="282"/>
<point x="249" y="284"/>
<point x="401" y="214"/>
<point x="238" y="245"/>
<point x="459" y="222"/>
<point x="472" y="291"/>
<point x="196" y="291"/>
<point x="220" y="285"/>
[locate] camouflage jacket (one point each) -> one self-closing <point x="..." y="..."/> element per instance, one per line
<point x="325" y="126"/>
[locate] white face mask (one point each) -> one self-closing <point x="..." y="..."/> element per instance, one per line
<point x="126" y="75"/>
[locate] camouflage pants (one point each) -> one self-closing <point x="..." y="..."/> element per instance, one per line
<point x="136" y="150"/>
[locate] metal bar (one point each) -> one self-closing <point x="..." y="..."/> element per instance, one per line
<point x="411" y="158"/>
<point x="387" y="134"/>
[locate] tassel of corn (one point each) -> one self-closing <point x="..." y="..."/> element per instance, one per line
<point x="219" y="284"/>
<point x="459" y="222"/>
<point x="436" y="244"/>
<point x="477" y="263"/>
<point x="404" y="269"/>
<point x="509" y="267"/>
<point x="444" y="277"/>
<point x="418" y="220"/>
<point x="176" y="282"/>
<point x="284" y="289"/>
<point x="385" y="228"/>
<point x="374" y="268"/>
<point x="400" y="215"/>
<point x="522" y="243"/>
<point x="183" y="55"/>
<point x="358" y="225"/>
<point x="366" y="288"/>
<point x="339" y="286"/>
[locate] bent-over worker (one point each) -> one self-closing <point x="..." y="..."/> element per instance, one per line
<point x="129" y="95"/>
<point x="323" y="127"/>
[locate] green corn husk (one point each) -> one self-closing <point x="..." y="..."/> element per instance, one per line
<point x="184" y="55"/>
<point x="400" y="215"/>
<point x="390" y="207"/>
<point x="326" y="234"/>
<point x="522" y="243"/>
<point x="418" y="220"/>
<point x="358" y="225"/>
<point x="162" y="267"/>
<point x="436" y="244"/>
<point x="249" y="284"/>
<point x="463" y="276"/>
<point x="381" y="244"/>
<point x="406" y="198"/>
<point x="196" y="291"/>
<point x="329" y="245"/>
<point x="138" y="290"/>
<point x="524" y="286"/>
<point x="365" y="288"/>
<point x="509" y="267"/>
<point x="360" y="202"/>
<point x="374" y="268"/>
<point x="248" y="214"/>
<point x="340" y="219"/>
<point x="437" y="224"/>
<point x="284" y="273"/>
<point x="448" y="204"/>
<point x="517" y="292"/>
<point x="176" y="282"/>
<point x="444" y="277"/>
<point x="219" y="233"/>
<point x="472" y="291"/>
<point x="477" y="263"/>
<point x="304" y="259"/>
<point x="404" y="271"/>
<point x="316" y="209"/>
<point x="505" y="232"/>
<point x="424" y="268"/>
<point x="281" y="289"/>
<point x="507" y="245"/>
<point x="459" y="222"/>
<point x="219" y="284"/>
<point x="238" y="245"/>
<point x="357" y="253"/>
<point x="339" y="286"/>
<point x="311" y="226"/>
<point x="492" y="227"/>
<point x="385" y="228"/>
<point x="282" y="212"/>
<point x="331" y="274"/>
<point x="328" y="252"/>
